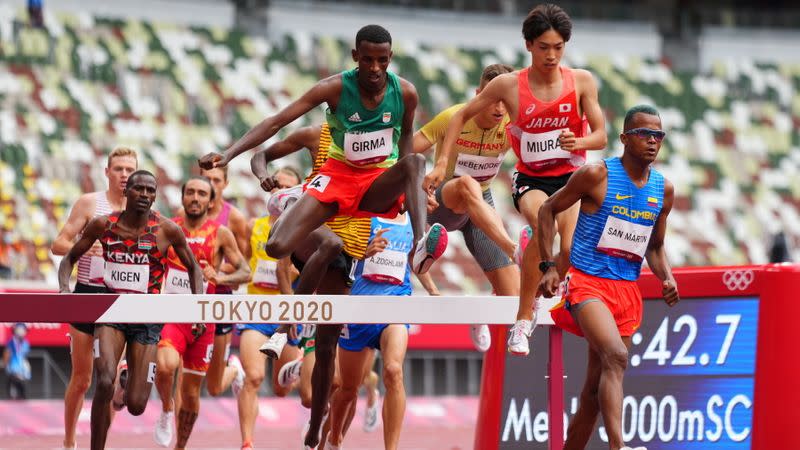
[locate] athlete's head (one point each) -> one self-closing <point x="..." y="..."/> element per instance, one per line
<point x="497" y="111"/>
<point x="642" y="134"/>
<point x="547" y="29"/>
<point x="196" y="196"/>
<point x="287" y="176"/>
<point x="121" y="164"/>
<point x="140" y="191"/>
<point x="373" y="53"/>
<point x="219" y="179"/>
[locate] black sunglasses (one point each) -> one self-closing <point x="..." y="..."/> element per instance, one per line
<point x="645" y="133"/>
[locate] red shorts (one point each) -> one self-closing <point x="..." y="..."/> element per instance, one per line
<point x="196" y="353"/>
<point x="345" y="185"/>
<point x="622" y="298"/>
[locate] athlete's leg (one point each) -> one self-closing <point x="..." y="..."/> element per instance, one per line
<point x="394" y="342"/>
<point x="290" y="353"/>
<point x="566" y="221"/>
<point x="111" y="345"/>
<point x="582" y="425"/>
<point x="141" y="375"/>
<point x="600" y="330"/>
<point x="320" y="248"/>
<point x="167" y="362"/>
<point x="370" y="383"/>
<point x="505" y="280"/>
<point x="190" y="407"/>
<point x="220" y="376"/>
<point x="529" y="206"/>
<point x="403" y="177"/>
<point x="254" y="363"/>
<point x="305" y="378"/>
<point x="81" y="355"/>
<point x="463" y="195"/>
<point x="291" y="230"/>
<point x="351" y="370"/>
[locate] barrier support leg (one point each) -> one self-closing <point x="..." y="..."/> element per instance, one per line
<point x="555" y="390"/>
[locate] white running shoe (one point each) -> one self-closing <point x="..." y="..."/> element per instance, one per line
<point x="371" y="416"/>
<point x="429" y="248"/>
<point x="274" y="346"/>
<point x="481" y="338"/>
<point x="329" y="446"/>
<point x="165" y="428"/>
<point x="74" y="447"/>
<point x="118" y="400"/>
<point x="238" y="381"/>
<point x="633" y="448"/>
<point x="518" y="337"/>
<point x="290" y="373"/>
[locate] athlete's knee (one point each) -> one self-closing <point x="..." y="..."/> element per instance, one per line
<point x="136" y="401"/>
<point x="105" y="381"/>
<point x="348" y="392"/>
<point x="80" y="382"/>
<point x="253" y="378"/>
<point x="614" y="358"/>
<point x="393" y="375"/>
<point x="469" y="189"/>
<point x="190" y="401"/>
<point x="330" y="247"/>
<point x="277" y="248"/>
<point x="305" y="398"/>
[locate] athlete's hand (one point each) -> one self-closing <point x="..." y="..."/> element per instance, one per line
<point x="269" y="183"/>
<point x="209" y="273"/>
<point x="669" y="290"/>
<point x="377" y="244"/>
<point x="212" y="160"/>
<point x="548" y="285"/>
<point x="433" y="179"/>
<point x="95" y="250"/>
<point x="568" y="141"/>
<point x="432" y="203"/>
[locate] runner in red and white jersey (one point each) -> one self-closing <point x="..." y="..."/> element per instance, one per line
<point x="547" y="104"/>
<point x="135" y="242"/>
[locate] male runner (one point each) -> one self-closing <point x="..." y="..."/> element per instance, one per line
<point x="121" y="163"/>
<point x="209" y="242"/>
<point x="465" y="198"/>
<point x="547" y="104"/>
<point x="135" y="243"/>
<point x="624" y="204"/>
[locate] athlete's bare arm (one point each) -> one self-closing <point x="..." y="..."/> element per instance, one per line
<point x="228" y="249"/>
<point x="597" y="139"/>
<point x="237" y="224"/>
<point x="587" y="185"/>
<point x="172" y="235"/>
<point x="81" y="214"/>
<point x="91" y="233"/>
<point x="325" y="91"/>
<point x="420" y="143"/>
<point x="410" y="100"/>
<point x="306" y="137"/>
<point x="656" y="255"/>
<point x="502" y="88"/>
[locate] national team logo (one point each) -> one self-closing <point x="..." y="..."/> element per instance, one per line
<point x="387" y="117"/>
<point x="530" y="109"/>
<point x="564" y="107"/>
<point x="145" y="244"/>
<point x="652" y="201"/>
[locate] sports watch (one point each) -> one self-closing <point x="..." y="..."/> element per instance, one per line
<point x="544" y="266"/>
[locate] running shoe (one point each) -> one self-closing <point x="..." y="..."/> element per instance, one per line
<point x="371" y="416"/>
<point x="481" y="338"/>
<point x="633" y="448"/>
<point x="518" y="337"/>
<point x="525" y="236"/>
<point x="247" y="446"/>
<point x="274" y="346"/>
<point x="290" y="373"/>
<point x="165" y="428"/>
<point x="238" y="381"/>
<point x="74" y="447"/>
<point x="429" y="248"/>
<point x="118" y="400"/>
<point x="329" y="446"/>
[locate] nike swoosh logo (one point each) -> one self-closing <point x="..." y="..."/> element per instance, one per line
<point x="623" y="197"/>
<point x="114" y="242"/>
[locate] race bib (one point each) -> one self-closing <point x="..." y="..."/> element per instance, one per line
<point x="388" y="266"/>
<point x="542" y="149"/>
<point x="368" y="148"/>
<point x="127" y="277"/>
<point x="176" y="282"/>
<point x="624" y="239"/>
<point x="265" y="275"/>
<point x="481" y="168"/>
<point x="97" y="267"/>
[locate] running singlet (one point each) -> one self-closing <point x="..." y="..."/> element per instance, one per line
<point x="611" y="243"/>
<point x="479" y="153"/>
<point x="90" y="268"/>
<point x="203" y="244"/>
<point x="133" y="266"/>
<point x="387" y="272"/>
<point x="534" y="135"/>
<point x="363" y="137"/>
<point x="262" y="266"/>
<point x="353" y="231"/>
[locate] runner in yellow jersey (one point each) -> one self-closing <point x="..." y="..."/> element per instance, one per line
<point x="464" y="201"/>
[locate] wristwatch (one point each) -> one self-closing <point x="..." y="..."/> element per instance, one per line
<point x="544" y="266"/>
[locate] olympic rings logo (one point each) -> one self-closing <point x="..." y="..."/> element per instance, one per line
<point x="738" y="280"/>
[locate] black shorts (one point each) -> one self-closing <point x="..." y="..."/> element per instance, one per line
<point x="344" y="263"/>
<point x="81" y="288"/>
<point x="223" y="328"/>
<point x="143" y="333"/>
<point x="524" y="183"/>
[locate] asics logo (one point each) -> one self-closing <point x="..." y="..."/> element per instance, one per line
<point x="623" y="197"/>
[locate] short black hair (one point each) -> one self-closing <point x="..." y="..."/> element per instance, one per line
<point x="492" y="71"/>
<point x="138" y="173"/>
<point x="373" y="33"/>
<point x="544" y="17"/>
<point x="198" y="177"/>
<point x="643" y="109"/>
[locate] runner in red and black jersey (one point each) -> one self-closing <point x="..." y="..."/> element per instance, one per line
<point x="135" y="243"/>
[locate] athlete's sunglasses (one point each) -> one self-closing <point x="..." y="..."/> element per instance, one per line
<point x="645" y="133"/>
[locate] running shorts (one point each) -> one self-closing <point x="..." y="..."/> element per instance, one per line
<point x="81" y="288"/>
<point x="267" y="329"/>
<point x="193" y="344"/>
<point x="355" y="338"/>
<point x="523" y="183"/>
<point x="143" y="333"/>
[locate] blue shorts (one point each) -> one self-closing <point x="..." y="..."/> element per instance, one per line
<point x="267" y="329"/>
<point x="355" y="338"/>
